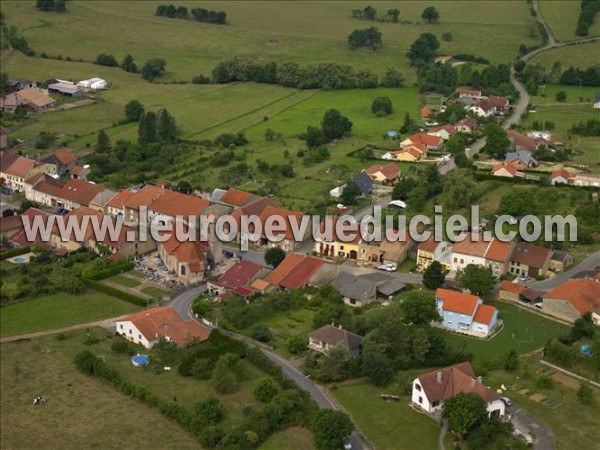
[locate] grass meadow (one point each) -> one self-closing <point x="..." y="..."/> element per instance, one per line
<point x="561" y="16"/>
<point x="584" y="55"/>
<point x="81" y="412"/>
<point x="60" y="310"/>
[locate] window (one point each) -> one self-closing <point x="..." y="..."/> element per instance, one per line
<point x="455" y="259"/>
<point x="182" y="270"/>
<point x="418" y="387"/>
<point x="130" y="331"/>
<point x="462" y="261"/>
<point x="420" y="399"/>
<point x="121" y="326"/>
<point x="139" y="336"/>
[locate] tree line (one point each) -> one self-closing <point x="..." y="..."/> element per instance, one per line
<point x="370" y="13"/>
<point x="590" y="127"/>
<point x="535" y="75"/>
<point x="589" y="10"/>
<point x="328" y="75"/>
<point x="198" y="14"/>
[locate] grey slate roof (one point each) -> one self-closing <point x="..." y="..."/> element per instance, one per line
<point x="522" y="155"/>
<point x="364" y="182"/>
<point x="337" y="336"/>
<point x="356" y="288"/>
<point x="390" y="287"/>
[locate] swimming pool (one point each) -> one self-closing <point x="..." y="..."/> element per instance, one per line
<point x="140" y="360"/>
<point x="19" y="260"/>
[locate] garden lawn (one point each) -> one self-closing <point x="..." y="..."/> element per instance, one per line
<point x="291" y="439"/>
<point x="387" y="425"/>
<point x="575" y="94"/>
<point x="60" y="310"/>
<point x="153" y="291"/>
<point x="80" y="410"/>
<point x="523" y="331"/>
<point x="124" y="281"/>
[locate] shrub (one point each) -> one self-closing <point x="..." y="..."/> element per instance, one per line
<point x="14" y="252"/>
<point x="261" y="333"/>
<point x="119" y="346"/>
<point x="109" y="290"/>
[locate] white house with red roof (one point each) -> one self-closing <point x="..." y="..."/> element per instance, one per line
<point x="483" y="108"/>
<point x="506" y="169"/>
<point x="429" y="390"/>
<point x="465" y="313"/>
<point x="147" y="327"/>
<point x="384" y="174"/>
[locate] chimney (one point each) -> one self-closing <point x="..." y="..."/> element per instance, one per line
<point x="480" y="380"/>
<point x="438" y="377"/>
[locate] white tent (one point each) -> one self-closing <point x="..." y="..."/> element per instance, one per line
<point x="93" y="84"/>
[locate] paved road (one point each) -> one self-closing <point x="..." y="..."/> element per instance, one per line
<point x="542" y="436"/>
<point x="404" y="277"/>
<point x="588" y="263"/>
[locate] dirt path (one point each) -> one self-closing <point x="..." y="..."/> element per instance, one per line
<point x="99" y="323"/>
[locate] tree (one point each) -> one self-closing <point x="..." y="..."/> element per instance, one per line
<point x="458" y="188"/>
<point x="393" y="15"/>
<point x="314" y="137"/>
<point x="166" y="128"/>
<point x="211" y="436"/>
<point x="102" y="143"/>
<point x="434" y="277"/>
<point x="334" y="366"/>
<point x="381" y="106"/>
<point x="334" y="125"/>
<point x="418" y="308"/>
<point x="261" y="333"/>
<point x="561" y="96"/>
<point x="134" y="110"/>
<point x="153" y="69"/>
<point x="511" y="361"/>
<point x="60" y="6"/>
<point x="209" y="412"/>
<point x="4" y="87"/>
<point x="477" y="279"/>
<point x="464" y="412"/>
<point x="274" y="256"/>
<point x="423" y="49"/>
<point x="367" y="37"/>
<point x="330" y="429"/>
<point x="392" y="78"/>
<point x="226" y="374"/>
<point x="297" y="344"/>
<point x="377" y="365"/>
<point x="128" y="64"/>
<point x="430" y="14"/>
<point x="106" y="60"/>
<point x="184" y="186"/>
<point x="585" y="393"/>
<point x="265" y="390"/>
<point x="350" y="193"/>
<point x="147" y="129"/>
<point x="497" y="142"/>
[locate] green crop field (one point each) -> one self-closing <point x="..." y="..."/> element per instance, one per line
<point x="575" y="95"/>
<point x="561" y="16"/>
<point x="59" y="310"/>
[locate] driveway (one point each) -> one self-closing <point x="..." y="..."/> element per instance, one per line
<point x="543" y="439"/>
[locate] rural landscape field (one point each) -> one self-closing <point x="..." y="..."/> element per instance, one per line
<point x="159" y="119"/>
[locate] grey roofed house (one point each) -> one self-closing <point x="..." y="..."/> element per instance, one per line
<point x="66" y="89"/>
<point x="357" y="291"/>
<point x="522" y="155"/>
<point x="329" y="336"/>
<point x="386" y="284"/>
<point x="364" y="182"/>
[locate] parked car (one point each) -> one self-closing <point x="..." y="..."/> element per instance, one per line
<point x="390" y="267"/>
<point x="507" y="401"/>
<point x="347" y="445"/>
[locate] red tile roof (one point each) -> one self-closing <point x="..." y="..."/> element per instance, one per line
<point x="469" y="122"/>
<point x="287" y="216"/>
<point x="498" y="250"/>
<point x="531" y="255"/>
<point x="584" y="295"/>
<point x="34" y="97"/>
<point x="48" y="185"/>
<point x="470" y="247"/>
<point x="173" y="204"/>
<point x="566" y="174"/>
<point x="65" y="156"/>
<point x="508" y="166"/>
<point x="390" y="171"/>
<point x="78" y="215"/>
<point x="120" y="199"/>
<point x="144" y="196"/>
<point x="485" y="105"/>
<point x="455" y="379"/>
<point x="498" y="102"/>
<point x="295" y="271"/>
<point x="237" y="197"/>
<point x="239" y="274"/>
<point x="521" y="140"/>
<point x="426" y="139"/>
<point x="20" y="166"/>
<point x="164" y="322"/>
<point x="81" y="191"/>
<point x="282" y="270"/>
<point x="457" y="301"/>
<point x="425" y="111"/>
<point x="77" y="170"/>
<point x="20" y="238"/>
<point x="484" y="314"/>
<point x="429" y="245"/>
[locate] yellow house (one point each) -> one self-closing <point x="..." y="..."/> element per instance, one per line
<point x="411" y="153"/>
<point x="335" y="247"/>
<point x="431" y="250"/>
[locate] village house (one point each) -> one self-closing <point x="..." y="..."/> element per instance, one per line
<point x="497" y="256"/>
<point x="63" y="159"/>
<point x="116" y="205"/>
<point x="79" y="235"/>
<point x="410" y="153"/>
<point x="445" y="132"/>
<point x="432" y="250"/>
<point x="522" y="159"/>
<point x="466" y="125"/>
<point x="9" y="226"/>
<point x="465" y="92"/>
<point x="465" y="313"/>
<point x="169" y="205"/>
<point x="561" y="176"/>
<point x="468" y="251"/>
<point x="519" y="141"/>
<point x="32" y="99"/>
<point x="187" y="259"/>
<point x="483" y="108"/>
<point x="23" y="239"/>
<point x="517" y="292"/>
<point x="334" y="246"/>
<point x="281" y="227"/>
<point x="18" y="84"/>
<point x="506" y="169"/>
<point x="429" y="390"/>
<point x="386" y="175"/>
<point x="430" y="142"/>
<point x="355" y="291"/>
<point x="529" y="260"/>
<point x="71" y="195"/>
<point x="15" y="169"/>
<point x="241" y="274"/>
<point x="142" y="198"/>
<point x="586" y="179"/>
<point x="573" y="299"/>
<point x="80" y="172"/>
<point x="297" y="271"/>
<point x="500" y="103"/>
<point x="559" y="261"/>
<point x="148" y="326"/>
<point x="329" y="336"/>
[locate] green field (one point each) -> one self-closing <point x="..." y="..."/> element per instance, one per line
<point x="387" y="425"/>
<point x="292" y="438"/>
<point x="279" y="31"/>
<point x="523" y="331"/>
<point x="575" y="96"/>
<point x="561" y="16"/>
<point x="60" y="310"/>
<point x="584" y="55"/>
<point x="80" y="411"/>
<point x="153" y="291"/>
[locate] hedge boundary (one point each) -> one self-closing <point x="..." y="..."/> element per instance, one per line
<point x="114" y="292"/>
<point x="14" y="252"/>
<point x="115" y="269"/>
